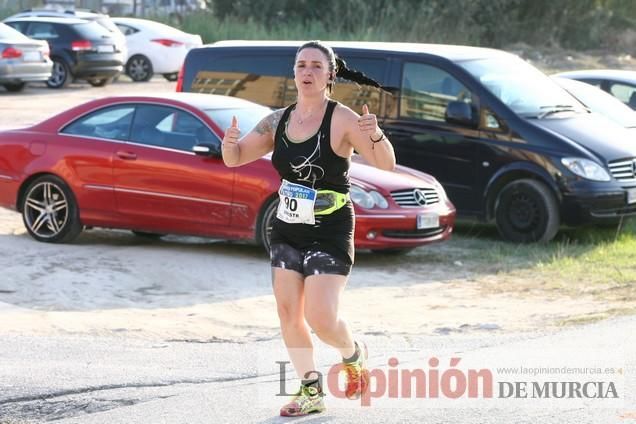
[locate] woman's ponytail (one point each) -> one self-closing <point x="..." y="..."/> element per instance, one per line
<point x="352" y="75"/>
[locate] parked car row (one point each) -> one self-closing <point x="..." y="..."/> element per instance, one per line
<point x="508" y="144"/>
<point x="96" y="48"/>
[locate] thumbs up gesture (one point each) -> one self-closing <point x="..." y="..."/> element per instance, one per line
<point x="232" y="134"/>
<point x="368" y="122"/>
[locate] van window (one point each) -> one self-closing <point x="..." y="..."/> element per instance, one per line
<point x="373" y="68"/>
<point x="355" y="95"/>
<point x="427" y="90"/>
<point x="261" y="79"/>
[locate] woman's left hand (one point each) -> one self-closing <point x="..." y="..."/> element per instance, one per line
<point x="368" y="123"/>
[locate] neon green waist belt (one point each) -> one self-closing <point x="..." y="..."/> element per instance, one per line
<point x="329" y="201"/>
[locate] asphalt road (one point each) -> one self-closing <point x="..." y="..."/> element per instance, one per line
<point x="70" y="379"/>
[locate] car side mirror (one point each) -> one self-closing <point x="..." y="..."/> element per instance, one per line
<point x="460" y="113"/>
<point x="206" y="149"/>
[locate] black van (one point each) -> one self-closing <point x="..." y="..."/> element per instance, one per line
<point x="505" y="141"/>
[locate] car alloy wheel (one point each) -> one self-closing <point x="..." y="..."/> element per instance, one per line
<point x="60" y="77"/>
<point x="265" y="222"/>
<point x="49" y="211"/>
<point x="139" y="68"/>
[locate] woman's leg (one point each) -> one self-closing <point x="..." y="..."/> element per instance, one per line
<point x="289" y="293"/>
<point x="322" y="300"/>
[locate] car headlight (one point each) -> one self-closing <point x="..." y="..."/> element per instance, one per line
<point x="586" y="168"/>
<point x="379" y="200"/>
<point x="367" y="199"/>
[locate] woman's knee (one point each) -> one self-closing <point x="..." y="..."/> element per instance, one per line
<point x="289" y="313"/>
<point x="320" y="321"/>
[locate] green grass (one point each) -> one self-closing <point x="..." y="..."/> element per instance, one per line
<point x="600" y="262"/>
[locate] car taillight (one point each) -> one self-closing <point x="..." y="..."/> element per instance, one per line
<point x="180" y="80"/>
<point x="46" y="50"/>
<point x="167" y="42"/>
<point x="81" y="45"/>
<point x="11" y="53"/>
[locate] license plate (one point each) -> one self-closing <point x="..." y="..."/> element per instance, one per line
<point x="32" y="57"/>
<point x="105" y="49"/>
<point x="631" y="196"/>
<point x="427" y="220"/>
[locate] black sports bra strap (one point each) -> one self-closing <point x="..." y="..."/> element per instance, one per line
<point x="326" y="120"/>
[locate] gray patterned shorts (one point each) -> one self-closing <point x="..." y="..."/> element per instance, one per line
<point x="307" y="262"/>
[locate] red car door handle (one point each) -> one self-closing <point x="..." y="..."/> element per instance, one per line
<point x="126" y="155"/>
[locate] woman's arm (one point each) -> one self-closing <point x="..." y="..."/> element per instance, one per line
<point x="368" y="139"/>
<point x="253" y="145"/>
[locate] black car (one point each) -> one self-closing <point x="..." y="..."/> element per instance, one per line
<point x="506" y="142"/>
<point x="80" y="49"/>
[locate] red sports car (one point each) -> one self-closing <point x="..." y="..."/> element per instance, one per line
<point x="153" y="165"/>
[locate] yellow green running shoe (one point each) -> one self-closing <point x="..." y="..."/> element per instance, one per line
<point x="308" y="400"/>
<point x="357" y="374"/>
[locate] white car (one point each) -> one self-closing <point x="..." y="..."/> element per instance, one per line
<point x="154" y="48"/>
<point x="599" y="101"/>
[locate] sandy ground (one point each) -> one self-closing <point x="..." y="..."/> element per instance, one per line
<point x="113" y="283"/>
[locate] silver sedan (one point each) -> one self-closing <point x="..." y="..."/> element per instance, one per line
<point x="22" y="59"/>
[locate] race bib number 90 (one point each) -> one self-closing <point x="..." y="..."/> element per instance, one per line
<point x="296" y="204"/>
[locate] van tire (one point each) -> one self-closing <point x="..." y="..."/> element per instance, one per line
<point x="527" y="211"/>
<point x="264" y="223"/>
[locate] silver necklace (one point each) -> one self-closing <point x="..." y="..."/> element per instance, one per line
<point x="300" y="119"/>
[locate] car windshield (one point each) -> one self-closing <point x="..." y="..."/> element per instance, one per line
<point x="522" y="87"/>
<point x="247" y="117"/>
<point x="8" y="33"/>
<point x="600" y="102"/>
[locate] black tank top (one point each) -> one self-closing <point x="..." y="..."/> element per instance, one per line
<point x="311" y="163"/>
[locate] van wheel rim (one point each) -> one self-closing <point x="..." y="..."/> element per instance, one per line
<point x="46" y="210"/>
<point x="523" y="212"/>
